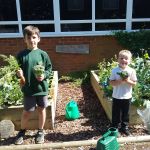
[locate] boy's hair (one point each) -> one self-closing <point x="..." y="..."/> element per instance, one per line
<point x="125" y="52"/>
<point x="30" y="30"/>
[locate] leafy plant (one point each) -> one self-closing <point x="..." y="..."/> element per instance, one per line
<point x="123" y="74"/>
<point x="10" y="92"/>
<point x="104" y="71"/>
<point x="141" y="91"/>
<point x="39" y="69"/>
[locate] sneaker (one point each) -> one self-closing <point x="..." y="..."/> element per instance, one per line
<point x="20" y="137"/>
<point x="39" y="138"/>
<point x="126" y="132"/>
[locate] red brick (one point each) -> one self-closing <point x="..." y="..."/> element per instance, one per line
<point x="100" y="47"/>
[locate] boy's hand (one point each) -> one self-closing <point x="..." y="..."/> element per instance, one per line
<point x="40" y="78"/>
<point x="19" y="72"/>
<point x="21" y="76"/>
<point x="129" y="81"/>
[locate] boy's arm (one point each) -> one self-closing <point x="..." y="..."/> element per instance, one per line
<point x="131" y="82"/>
<point x="115" y="82"/>
<point x="48" y="68"/>
<point x="19" y="72"/>
<point x="120" y="81"/>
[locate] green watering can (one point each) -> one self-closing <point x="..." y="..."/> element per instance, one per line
<point x="108" y="140"/>
<point x="72" y="111"/>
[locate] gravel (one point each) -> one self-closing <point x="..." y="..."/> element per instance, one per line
<point x="92" y="123"/>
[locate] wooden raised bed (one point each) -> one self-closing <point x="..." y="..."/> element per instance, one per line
<point x="13" y="113"/>
<point x="107" y="104"/>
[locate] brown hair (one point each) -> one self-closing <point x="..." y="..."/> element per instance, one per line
<point x="29" y="30"/>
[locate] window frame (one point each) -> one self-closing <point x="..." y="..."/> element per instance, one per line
<point x="57" y="22"/>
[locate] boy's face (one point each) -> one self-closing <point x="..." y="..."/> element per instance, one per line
<point x="124" y="60"/>
<point x="32" y="41"/>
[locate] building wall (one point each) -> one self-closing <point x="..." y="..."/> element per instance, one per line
<point x="99" y="47"/>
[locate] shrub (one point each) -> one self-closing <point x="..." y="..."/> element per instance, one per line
<point x="10" y="92"/>
<point x="135" y="41"/>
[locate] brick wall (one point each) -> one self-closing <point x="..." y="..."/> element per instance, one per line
<point x="99" y="47"/>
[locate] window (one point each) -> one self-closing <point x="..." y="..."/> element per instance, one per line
<point x="110" y="26"/>
<point x="9" y="29"/>
<point x="75" y="9"/>
<point x="140" y="25"/>
<point x="73" y="17"/>
<point x="36" y="10"/>
<point x="43" y="27"/>
<point x="141" y="9"/>
<point x="110" y="9"/>
<point x="75" y="5"/>
<point x="8" y="10"/>
<point x="110" y="4"/>
<point x="76" y="27"/>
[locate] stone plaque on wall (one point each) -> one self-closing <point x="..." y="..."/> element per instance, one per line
<point x="78" y="48"/>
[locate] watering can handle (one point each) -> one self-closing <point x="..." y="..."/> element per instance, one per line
<point x="106" y="134"/>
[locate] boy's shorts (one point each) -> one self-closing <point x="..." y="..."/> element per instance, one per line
<point x="30" y="102"/>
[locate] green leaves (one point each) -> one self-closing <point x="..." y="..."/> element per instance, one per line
<point x="104" y="71"/>
<point x="123" y="74"/>
<point x="135" y="41"/>
<point x="10" y="92"/>
<point x="39" y="69"/>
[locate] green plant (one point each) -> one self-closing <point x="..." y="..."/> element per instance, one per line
<point x="10" y="92"/>
<point x="141" y="91"/>
<point x="104" y="71"/>
<point x="134" y="41"/>
<point x="39" y="69"/>
<point x="123" y="74"/>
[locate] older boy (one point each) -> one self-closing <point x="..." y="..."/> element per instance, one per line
<point x="35" y="88"/>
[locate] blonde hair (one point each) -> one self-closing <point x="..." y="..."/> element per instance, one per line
<point x="125" y="53"/>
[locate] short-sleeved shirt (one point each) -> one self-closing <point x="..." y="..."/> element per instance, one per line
<point x="123" y="91"/>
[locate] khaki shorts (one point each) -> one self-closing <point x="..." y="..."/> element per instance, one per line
<point x="31" y="102"/>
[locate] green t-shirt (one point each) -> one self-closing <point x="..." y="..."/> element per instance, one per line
<point x="27" y="59"/>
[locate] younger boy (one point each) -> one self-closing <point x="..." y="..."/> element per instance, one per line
<point x="122" y="91"/>
<point x="34" y="88"/>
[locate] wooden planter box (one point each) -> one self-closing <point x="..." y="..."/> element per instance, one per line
<point x="14" y="113"/>
<point x="107" y="104"/>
